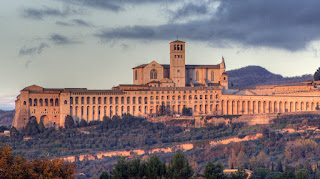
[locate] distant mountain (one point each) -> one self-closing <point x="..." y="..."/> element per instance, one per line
<point x="255" y="76"/>
<point x="6" y="117"/>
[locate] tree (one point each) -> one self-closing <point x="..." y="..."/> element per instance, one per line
<point x="155" y="168"/>
<point x="213" y="171"/>
<point x="106" y="119"/>
<point x="41" y="127"/>
<point x="83" y="123"/>
<point x="32" y="127"/>
<point x="14" y="132"/>
<point x="186" y="111"/>
<point x="69" y="122"/>
<point x="162" y="110"/>
<point x="120" y="169"/>
<point x="242" y="159"/>
<point x="240" y="174"/>
<point x="316" y="75"/>
<point x="105" y="175"/>
<point x="116" y="117"/>
<point x="279" y="167"/>
<point x="287" y="175"/>
<point x="18" y="167"/>
<point x="302" y="173"/>
<point x="179" y="167"/>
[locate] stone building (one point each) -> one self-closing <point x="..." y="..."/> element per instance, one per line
<point x="201" y="88"/>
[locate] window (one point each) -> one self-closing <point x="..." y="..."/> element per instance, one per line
<point x="181" y="47"/>
<point x="82" y="100"/>
<point x="65" y="102"/>
<point x="88" y="100"/>
<point x="178" y="47"/>
<point x="175" y="47"/>
<point x="212" y="76"/>
<point x="153" y="74"/>
<point x="197" y="75"/>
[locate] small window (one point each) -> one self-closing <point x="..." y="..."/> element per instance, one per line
<point x="175" y="47"/>
<point x="65" y="102"/>
<point x="24" y="103"/>
<point x="178" y="71"/>
<point x="181" y="47"/>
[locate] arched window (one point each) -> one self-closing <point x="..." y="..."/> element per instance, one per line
<point x="197" y="75"/>
<point x="178" y="47"/>
<point x="212" y="76"/>
<point x="88" y="100"/>
<point x="56" y="102"/>
<point x="82" y="100"/>
<point x="153" y="74"/>
<point x="181" y="47"/>
<point x="175" y="47"/>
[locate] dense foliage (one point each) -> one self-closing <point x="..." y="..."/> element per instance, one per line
<point x="18" y="167"/>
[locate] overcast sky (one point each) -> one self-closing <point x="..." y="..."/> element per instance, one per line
<point x="95" y="43"/>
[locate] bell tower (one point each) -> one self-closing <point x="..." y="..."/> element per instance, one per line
<point x="177" y="63"/>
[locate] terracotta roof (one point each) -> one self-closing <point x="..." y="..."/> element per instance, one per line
<point x="167" y="66"/>
<point x="178" y="41"/>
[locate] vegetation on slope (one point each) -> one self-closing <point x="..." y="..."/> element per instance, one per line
<point x="6" y="117"/>
<point x="255" y="75"/>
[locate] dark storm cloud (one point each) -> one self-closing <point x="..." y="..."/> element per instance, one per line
<point x="189" y="9"/>
<point x="285" y="24"/>
<point x="33" y="50"/>
<point x="75" y="22"/>
<point x="61" y="40"/>
<point x="39" y="14"/>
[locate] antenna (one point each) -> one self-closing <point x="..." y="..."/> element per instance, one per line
<point x="177" y="37"/>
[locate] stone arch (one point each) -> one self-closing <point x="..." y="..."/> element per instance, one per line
<point x="99" y="100"/>
<point x="88" y="100"/>
<point x="56" y="102"/>
<point x="82" y="100"/>
<point x="269" y="107"/>
<point x="45" y="120"/>
<point x="128" y="100"/>
<point x="41" y="102"/>
<point x="35" y="102"/>
<point x="153" y="74"/>
<point x="110" y="100"/>
<point x="105" y="100"/>
<point x="122" y="100"/>
<point x="302" y="106"/>
<point x="286" y="107"/>
<point x="76" y="100"/>
<point x="51" y="102"/>
<point x="281" y="110"/>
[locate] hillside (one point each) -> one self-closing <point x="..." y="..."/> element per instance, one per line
<point x="255" y="75"/>
<point x="6" y="117"/>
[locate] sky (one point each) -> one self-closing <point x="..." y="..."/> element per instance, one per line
<point x="95" y="44"/>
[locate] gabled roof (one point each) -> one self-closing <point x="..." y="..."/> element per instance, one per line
<point x="167" y="66"/>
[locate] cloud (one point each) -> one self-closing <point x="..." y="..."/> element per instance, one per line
<point x="61" y="40"/>
<point x="33" y="50"/>
<point x="286" y="24"/>
<point x="39" y="14"/>
<point x="113" y="5"/>
<point x="75" y="22"/>
<point x="190" y="9"/>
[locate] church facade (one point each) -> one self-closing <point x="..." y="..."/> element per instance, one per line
<point x="164" y="88"/>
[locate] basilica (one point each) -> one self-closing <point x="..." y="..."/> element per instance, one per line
<point x="203" y="89"/>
